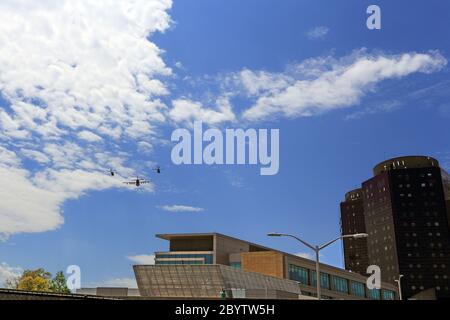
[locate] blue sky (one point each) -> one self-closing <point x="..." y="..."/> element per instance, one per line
<point x="325" y="149"/>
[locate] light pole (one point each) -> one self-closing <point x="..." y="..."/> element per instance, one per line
<point x="399" y="282"/>
<point x="317" y="250"/>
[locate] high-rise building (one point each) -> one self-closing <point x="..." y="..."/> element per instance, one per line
<point x="406" y="211"/>
<point x="352" y="221"/>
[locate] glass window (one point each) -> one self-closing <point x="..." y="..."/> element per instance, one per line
<point x="207" y="258"/>
<point x="324" y="280"/>
<point x="340" y="284"/>
<point x="374" y="294"/>
<point x="236" y="265"/>
<point x="358" y="289"/>
<point x="299" y="274"/>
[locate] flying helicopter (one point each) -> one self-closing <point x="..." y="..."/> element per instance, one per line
<point x="137" y="182"/>
<point x="112" y="172"/>
<point x="157" y="169"/>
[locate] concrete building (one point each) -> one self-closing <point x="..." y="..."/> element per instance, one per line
<point x="356" y="256"/>
<point x="109" y="292"/>
<point x="406" y="208"/>
<point x="204" y="265"/>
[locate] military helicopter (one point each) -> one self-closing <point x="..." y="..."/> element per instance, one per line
<point x="137" y="182"/>
<point x="157" y="169"/>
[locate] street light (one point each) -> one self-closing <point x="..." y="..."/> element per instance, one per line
<point x="399" y="280"/>
<point x="317" y="249"/>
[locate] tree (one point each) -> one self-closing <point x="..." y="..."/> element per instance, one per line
<point x="39" y="280"/>
<point x="34" y="280"/>
<point x="58" y="284"/>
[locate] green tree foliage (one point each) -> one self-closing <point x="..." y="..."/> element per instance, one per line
<point x="39" y="280"/>
<point x="58" y="283"/>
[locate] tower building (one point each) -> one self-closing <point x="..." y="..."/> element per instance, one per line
<point x="406" y="213"/>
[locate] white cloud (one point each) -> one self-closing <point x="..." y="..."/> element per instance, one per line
<point x="73" y="71"/>
<point x="180" y="208"/>
<point x="8" y="273"/>
<point x="259" y="82"/>
<point x="8" y="158"/>
<point x="89" y="136"/>
<point x="333" y="84"/>
<point x="147" y="259"/>
<point x="35" y="155"/>
<point x="185" y="110"/>
<point x="179" y="65"/>
<point x="318" y="32"/>
<point x="89" y="63"/>
<point x="33" y="203"/>
<point x="145" y="147"/>
<point x="305" y="255"/>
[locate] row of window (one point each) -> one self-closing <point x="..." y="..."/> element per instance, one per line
<point x="422" y="185"/>
<point x="178" y="262"/>
<point x="428" y="224"/>
<point x="181" y="258"/>
<point x="338" y="284"/>
<point x="422" y="175"/>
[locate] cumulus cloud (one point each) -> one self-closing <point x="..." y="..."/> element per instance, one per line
<point x="180" y="208"/>
<point x="35" y="155"/>
<point x="185" y="110"/>
<point x="89" y="136"/>
<point x="32" y="203"/>
<point x="330" y="84"/>
<point x="8" y="273"/>
<point x="318" y="32"/>
<point x="147" y="259"/>
<point x="73" y="72"/>
<point x="85" y="64"/>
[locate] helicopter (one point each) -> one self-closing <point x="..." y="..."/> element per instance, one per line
<point x="112" y="172"/>
<point x="137" y="182"/>
<point x="157" y="169"/>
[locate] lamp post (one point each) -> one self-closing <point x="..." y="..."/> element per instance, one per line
<point x="399" y="283"/>
<point x="317" y="250"/>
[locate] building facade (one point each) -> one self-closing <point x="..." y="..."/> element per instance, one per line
<point x="202" y="265"/>
<point x="406" y="212"/>
<point x="356" y="256"/>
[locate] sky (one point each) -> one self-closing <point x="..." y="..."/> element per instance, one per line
<point x="87" y="86"/>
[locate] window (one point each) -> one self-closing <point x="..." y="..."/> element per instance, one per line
<point x="358" y="289"/>
<point x="388" y="295"/>
<point x="298" y="274"/>
<point x="374" y="294"/>
<point x="340" y="284"/>
<point x="324" y="280"/>
<point x="184" y="259"/>
<point x="236" y="265"/>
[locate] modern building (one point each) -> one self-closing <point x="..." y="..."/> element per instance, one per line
<point x="205" y="265"/>
<point x="407" y="213"/>
<point x="356" y="256"/>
